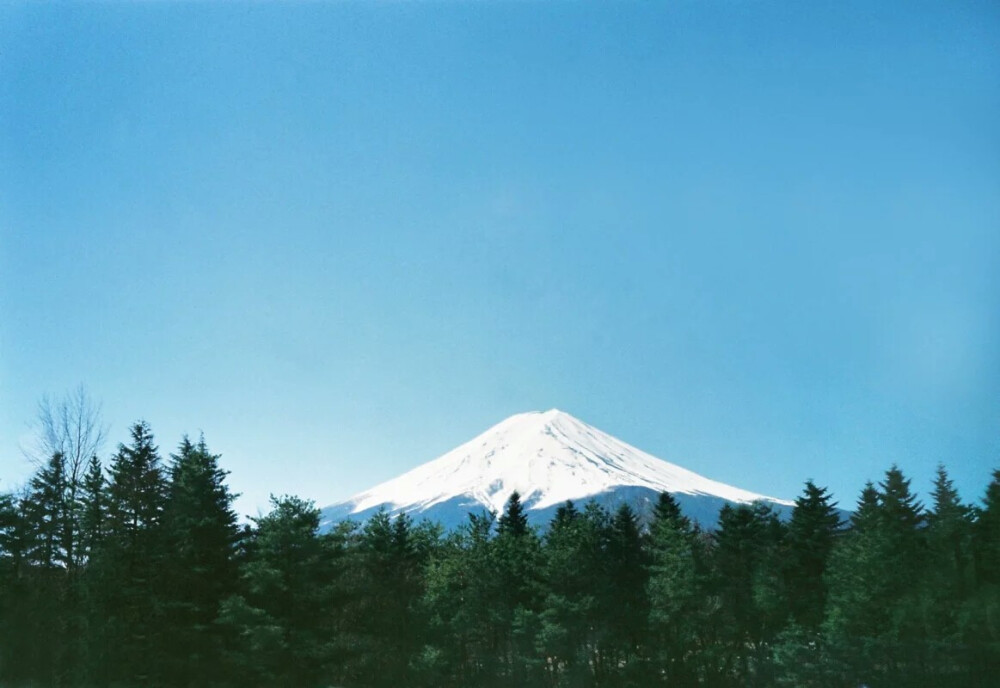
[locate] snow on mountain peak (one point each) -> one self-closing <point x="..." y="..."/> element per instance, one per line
<point x="548" y="457"/>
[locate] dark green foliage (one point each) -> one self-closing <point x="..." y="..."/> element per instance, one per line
<point x="200" y="532"/>
<point x="866" y="513"/>
<point x="282" y="620"/>
<point x="979" y="625"/>
<point x="748" y="580"/>
<point x="92" y="508"/>
<point x="125" y="577"/>
<point x="811" y="533"/>
<point x="386" y="626"/>
<point x="949" y="569"/>
<point x="143" y="577"/>
<point x="575" y="573"/>
<point x="625" y="604"/>
<point x="675" y="587"/>
<point x="667" y="510"/>
<point x="48" y="513"/>
<point x="987" y="535"/>
<point x="514" y="521"/>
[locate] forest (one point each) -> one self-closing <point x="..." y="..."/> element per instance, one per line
<point x="135" y="571"/>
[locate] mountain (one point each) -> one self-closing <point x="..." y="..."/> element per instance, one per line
<point x="548" y="458"/>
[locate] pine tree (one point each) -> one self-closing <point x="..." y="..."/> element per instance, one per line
<point x="674" y="593"/>
<point x="668" y="510"/>
<point x="812" y="530"/>
<point x="384" y="624"/>
<point x="465" y="622"/>
<point x="572" y="625"/>
<point x="865" y="514"/>
<point x="518" y="566"/>
<point x="16" y="609"/>
<point x="201" y="533"/>
<point x="283" y="619"/>
<point x="875" y="615"/>
<point x="987" y="535"/>
<point x="126" y="577"/>
<point x="92" y="509"/>
<point x="949" y="536"/>
<point x="514" y="521"/>
<point x="49" y="521"/>
<point x="748" y="580"/>
<point x="48" y="513"/>
<point x="626" y="604"/>
<point x="901" y="517"/>
<point x="947" y="579"/>
<point x="980" y="629"/>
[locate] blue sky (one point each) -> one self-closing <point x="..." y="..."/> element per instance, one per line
<point x="761" y="240"/>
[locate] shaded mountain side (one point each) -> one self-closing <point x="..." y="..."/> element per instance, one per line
<point x="454" y="512"/>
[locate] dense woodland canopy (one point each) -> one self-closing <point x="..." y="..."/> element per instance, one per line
<point x="135" y="571"/>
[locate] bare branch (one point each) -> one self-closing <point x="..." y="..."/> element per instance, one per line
<point x="72" y="426"/>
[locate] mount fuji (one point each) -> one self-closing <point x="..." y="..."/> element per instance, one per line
<point x="548" y="458"/>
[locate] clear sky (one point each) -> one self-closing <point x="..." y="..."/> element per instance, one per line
<point x="758" y="239"/>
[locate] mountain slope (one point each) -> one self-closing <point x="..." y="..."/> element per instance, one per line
<point x="548" y="458"/>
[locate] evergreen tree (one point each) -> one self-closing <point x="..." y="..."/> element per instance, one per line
<point x="811" y="533"/>
<point x="48" y="512"/>
<point x="674" y="593"/>
<point x="48" y="522"/>
<point x="875" y="621"/>
<point x="668" y="510"/>
<point x="15" y="607"/>
<point x="572" y="626"/>
<point x="950" y="575"/>
<point x="127" y="620"/>
<point x="987" y="535"/>
<point x="901" y="517"/>
<point x="514" y="521"/>
<point x="517" y="560"/>
<point x="283" y="619"/>
<point x="92" y="509"/>
<point x="626" y="604"/>
<point x="466" y="623"/>
<point x="385" y="626"/>
<point x="749" y="582"/>
<point x="201" y="533"/>
<point x="979" y="626"/>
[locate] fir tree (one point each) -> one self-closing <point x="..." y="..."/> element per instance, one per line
<point x="572" y="625"/>
<point x="748" y="580"/>
<point x="48" y="513"/>
<point x="514" y="521"/>
<point x="283" y="619"/>
<point x="626" y="604"/>
<point x="674" y="593"/>
<point x="865" y="514"/>
<point x="668" y="510"/>
<point x="384" y="623"/>
<point x="16" y="599"/>
<point x="518" y="567"/>
<point x="901" y="517"/>
<point x="201" y="533"/>
<point x="126" y="578"/>
<point x="949" y="535"/>
<point x="979" y="625"/>
<point x="811" y="533"/>
<point x="92" y="509"/>
<point x="987" y="535"/>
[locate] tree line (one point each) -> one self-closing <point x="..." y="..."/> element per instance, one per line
<point x="138" y="573"/>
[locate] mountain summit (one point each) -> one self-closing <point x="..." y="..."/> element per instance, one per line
<point x="548" y="457"/>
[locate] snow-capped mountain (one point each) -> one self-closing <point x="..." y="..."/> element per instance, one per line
<point x="548" y="458"/>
